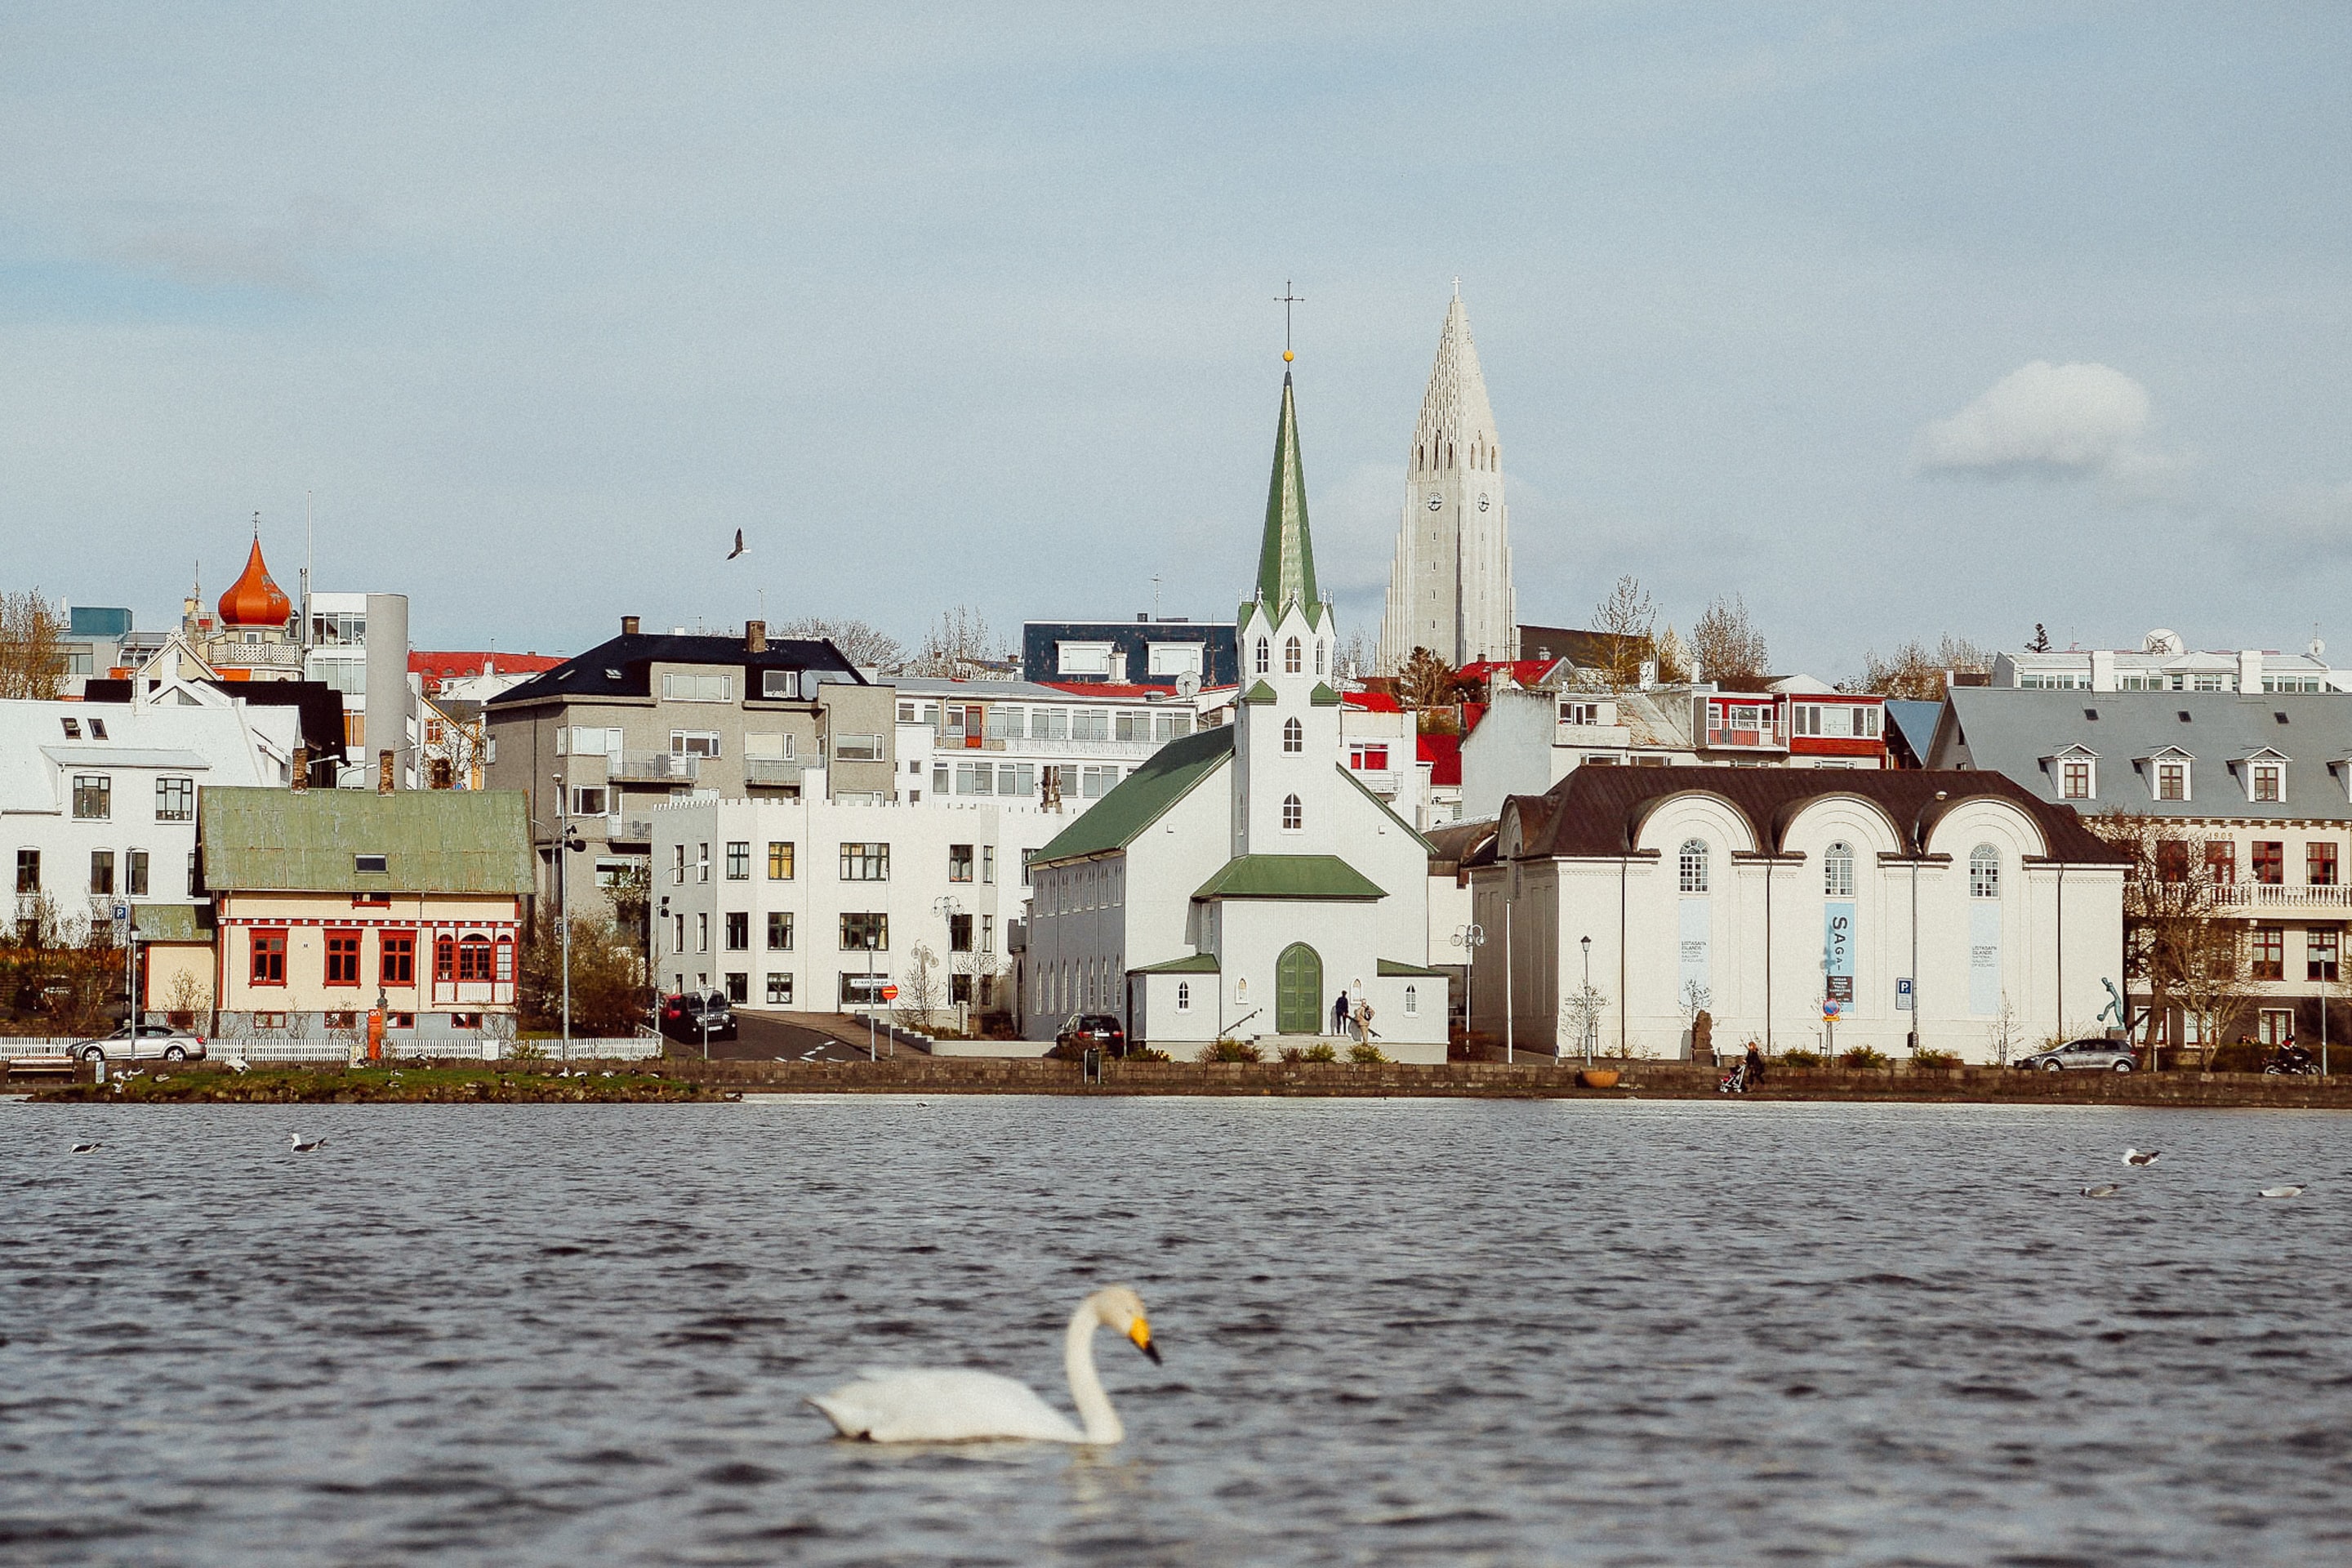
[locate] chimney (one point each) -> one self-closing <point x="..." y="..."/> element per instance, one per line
<point x="755" y="637"/>
<point x="383" y="773"/>
<point x="299" y="778"/>
<point x="628" y="625"/>
<point x="2250" y="669"/>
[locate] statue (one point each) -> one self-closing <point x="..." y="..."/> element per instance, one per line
<point x="2114" y="1007"/>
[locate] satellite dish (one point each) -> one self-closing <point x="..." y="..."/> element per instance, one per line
<point x="1188" y="685"/>
<point x="2163" y="640"/>
<point x="2316" y="649"/>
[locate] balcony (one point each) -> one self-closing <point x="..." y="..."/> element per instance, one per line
<point x="1054" y="750"/>
<point x="771" y="771"/>
<point x="628" y="830"/>
<point x="253" y="655"/>
<point x="2242" y="895"/>
<point x="651" y="767"/>
<point x="1764" y="739"/>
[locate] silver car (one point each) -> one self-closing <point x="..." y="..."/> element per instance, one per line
<point x="2104" y="1055"/>
<point x="154" y="1042"/>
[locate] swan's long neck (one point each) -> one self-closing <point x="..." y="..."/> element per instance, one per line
<point x="1095" y="1414"/>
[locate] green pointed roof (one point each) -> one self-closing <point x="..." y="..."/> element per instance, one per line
<point x="1285" y="560"/>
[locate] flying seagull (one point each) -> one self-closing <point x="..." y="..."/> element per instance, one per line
<point x="2293" y="1192"/>
<point x="303" y="1148"/>
<point x="2104" y="1190"/>
<point x="94" y="1148"/>
<point x="739" y="545"/>
<point x="2141" y="1157"/>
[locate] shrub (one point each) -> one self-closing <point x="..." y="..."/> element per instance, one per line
<point x="1861" y="1057"/>
<point x="1933" y="1060"/>
<point x="1801" y="1058"/>
<point x="1147" y="1054"/>
<point x="1365" y="1055"/>
<point x="1320" y="1051"/>
<point x="1292" y="1054"/>
<point x="1231" y="1051"/>
<point x="2239" y="1055"/>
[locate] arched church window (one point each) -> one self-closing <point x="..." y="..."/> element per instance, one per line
<point x="1318" y="656"/>
<point x="1412" y="1001"/>
<point x="1837" y="871"/>
<point x="1294" y="814"/>
<point x="1183" y="996"/>
<point x="1294" y="735"/>
<point x="1693" y="860"/>
<point x="1265" y="656"/>
<point x="1290" y="656"/>
<point x="1984" y="872"/>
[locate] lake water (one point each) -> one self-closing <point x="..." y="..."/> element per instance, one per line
<point x="1395" y="1332"/>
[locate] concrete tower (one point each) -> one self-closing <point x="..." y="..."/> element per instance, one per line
<point x="1450" y="590"/>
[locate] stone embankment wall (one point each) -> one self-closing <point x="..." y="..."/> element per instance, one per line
<point x="1533" y="1081"/>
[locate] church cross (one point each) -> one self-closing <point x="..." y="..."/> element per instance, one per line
<point x="1286" y="299"/>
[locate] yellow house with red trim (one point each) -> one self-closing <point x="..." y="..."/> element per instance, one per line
<point x="329" y="902"/>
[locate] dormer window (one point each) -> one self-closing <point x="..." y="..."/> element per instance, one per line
<point x="2171" y="781"/>
<point x="2167" y="774"/>
<point x="2076" y="771"/>
<point x="2269" y="784"/>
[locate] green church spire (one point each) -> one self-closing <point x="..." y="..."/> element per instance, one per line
<point x="1285" y="560"/>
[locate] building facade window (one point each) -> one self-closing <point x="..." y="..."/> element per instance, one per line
<point x="134" y="873"/>
<point x="739" y="860"/>
<point x="396" y="958"/>
<point x="779" y="930"/>
<point x="28" y="870"/>
<point x="959" y="862"/>
<point x="1294" y="735"/>
<point x="780" y="990"/>
<point x="474" y="957"/>
<point x="1691" y="861"/>
<point x="2321" y="948"/>
<point x="739" y="986"/>
<point x="1294" y="813"/>
<point x="2171" y="860"/>
<point x="93" y="797"/>
<point x="864" y="931"/>
<point x="2270" y="953"/>
<point x="101" y="872"/>
<point x="1837" y="871"/>
<point x="702" y="932"/>
<point x="866" y="862"/>
<point x="2319" y="864"/>
<point x="958" y="933"/>
<point x="342" y="958"/>
<point x="2270" y="861"/>
<point x="2172" y="780"/>
<point x="175" y="800"/>
<point x="268" y="958"/>
<point x="1265" y="656"/>
<point x="2075" y="776"/>
<point x="444" y="959"/>
<point x="2222" y="861"/>
<point x="1291" y="661"/>
<point x="1984" y="872"/>
<point x="1183" y="996"/>
<point x="2270" y="782"/>
<point x="779" y="860"/>
<point x="739" y="931"/>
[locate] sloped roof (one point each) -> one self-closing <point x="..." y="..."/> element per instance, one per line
<point x="1288" y="877"/>
<point x="172" y="922"/>
<point x="623" y="666"/>
<point x="1391" y="967"/>
<point x="1285" y="558"/>
<point x="1913" y="723"/>
<point x="1443" y="755"/>
<point x="433" y="841"/>
<point x="1142" y="797"/>
<point x="1191" y="963"/>
<point x="1600" y="811"/>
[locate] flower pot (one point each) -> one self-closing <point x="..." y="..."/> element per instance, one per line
<point x="1597" y="1077"/>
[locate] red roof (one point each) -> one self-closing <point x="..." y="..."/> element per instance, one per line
<point x="1526" y="671"/>
<point x="1373" y="701"/>
<point x="437" y="668"/>
<point x="253" y="600"/>
<point x="1105" y="688"/>
<point x="1471" y="713"/>
<point x="1443" y="753"/>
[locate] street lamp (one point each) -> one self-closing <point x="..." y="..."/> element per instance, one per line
<point x="568" y="840"/>
<point x="1469" y="939"/>
<point x="1586" y="943"/>
<point x="947" y="908"/>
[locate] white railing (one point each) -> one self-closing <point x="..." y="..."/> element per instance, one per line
<point x="1136" y="749"/>
<point x="629" y="830"/>
<point x="2283" y="896"/>
<point x="651" y="767"/>
<point x="772" y="771"/>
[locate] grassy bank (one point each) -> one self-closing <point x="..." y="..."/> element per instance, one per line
<point x="483" y="1083"/>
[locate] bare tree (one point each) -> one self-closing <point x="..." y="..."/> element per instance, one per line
<point x="1357" y="654"/>
<point x="1426" y="681"/>
<point x="1730" y="649"/>
<point x="919" y="988"/>
<point x="961" y="648"/>
<point x="1581" y="1011"/>
<point x="1628" y="619"/>
<point x="860" y="644"/>
<point x="32" y="656"/>
<point x="2180" y="939"/>
<point x="1674" y="658"/>
<point x="1912" y="671"/>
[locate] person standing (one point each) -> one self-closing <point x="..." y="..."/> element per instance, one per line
<point x="1755" y="1065"/>
<point x="1364" y="1023"/>
<point x="1340" y="1014"/>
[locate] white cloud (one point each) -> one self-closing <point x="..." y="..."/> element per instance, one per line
<point x="2057" y="421"/>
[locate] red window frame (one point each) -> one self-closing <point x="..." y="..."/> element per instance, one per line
<point x="474" y="960"/>
<point x="343" y="962"/>
<point x="2270" y="953"/>
<point x="2270" y="860"/>
<point x="267" y="950"/>
<point x="2222" y="861"/>
<point x="396" y="958"/>
<point x="444" y="958"/>
<point x="506" y="970"/>
<point x="2319" y="863"/>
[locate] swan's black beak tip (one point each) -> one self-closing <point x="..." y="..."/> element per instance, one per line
<point x="1153" y="1352"/>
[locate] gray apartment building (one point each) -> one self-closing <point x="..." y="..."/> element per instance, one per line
<point x="644" y="719"/>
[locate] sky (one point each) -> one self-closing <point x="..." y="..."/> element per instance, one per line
<point x="1893" y="320"/>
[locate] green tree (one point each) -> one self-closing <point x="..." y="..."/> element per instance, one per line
<point x="608" y="979"/>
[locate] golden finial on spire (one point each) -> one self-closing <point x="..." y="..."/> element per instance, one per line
<point x="1286" y="299"/>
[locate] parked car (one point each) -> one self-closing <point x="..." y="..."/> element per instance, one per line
<point x="153" y="1042"/>
<point x="2104" y="1055"/>
<point x="1092" y="1032"/>
<point x="691" y="1018"/>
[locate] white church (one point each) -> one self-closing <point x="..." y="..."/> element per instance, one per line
<point x="1238" y="883"/>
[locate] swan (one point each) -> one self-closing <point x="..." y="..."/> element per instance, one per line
<point x="956" y="1404"/>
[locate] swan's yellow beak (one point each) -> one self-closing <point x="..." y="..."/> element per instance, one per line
<point x="1140" y="1332"/>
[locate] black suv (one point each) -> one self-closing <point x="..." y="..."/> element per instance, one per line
<point x="686" y="1017"/>
<point x="1092" y="1032"/>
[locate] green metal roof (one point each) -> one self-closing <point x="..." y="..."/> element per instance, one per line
<point x="1390" y="966"/>
<point x="1261" y="692"/>
<point x="1286" y="560"/>
<point x="1323" y="696"/>
<point x="1191" y="963"/>
<point x="172" y="922"/>
<point x="1140" y="799"/>
<point x="433" y="841"/>
<point x="1288" y="877"/>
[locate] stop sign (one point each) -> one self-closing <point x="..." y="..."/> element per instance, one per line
<point x="889" y="993"/>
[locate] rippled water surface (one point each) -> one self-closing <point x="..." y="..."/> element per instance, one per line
<point x="1395" y="1332"/>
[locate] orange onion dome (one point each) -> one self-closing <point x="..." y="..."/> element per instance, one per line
<point x="253" y="600"/>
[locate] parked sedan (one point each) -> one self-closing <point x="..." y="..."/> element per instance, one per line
<point x="1093" y="1031"/>
<point x="153" y="1042"/>
<point x="2102" y="1055"/>
<point x="686" y="1016"/>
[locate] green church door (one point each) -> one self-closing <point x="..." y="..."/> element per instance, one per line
<point x="1298" y="990"/>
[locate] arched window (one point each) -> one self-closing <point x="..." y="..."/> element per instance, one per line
<point x="1837" y="871"/>
<point x="1294" y="735"/>
<point x="1318" y="656"/>
<point x="1984" y="872"/>
<point x="474" y="958"/>
<point x="506" y="958"/>
<point x="444" y="957"/>
<point x="1290" y="656"/>
<point x="1411" y="1001"/>
<point x="1265" y="656"/>
<point x="1693" y="857"/>
<point x="1294" y="814"/>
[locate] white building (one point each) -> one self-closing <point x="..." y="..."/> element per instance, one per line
<point x="816" y="904"/>
<point x="1242" y="879"/>
<point x="1450" y="589"/>
<point x="1017" y="739"/>
<point x="2164" y="662"/>
<point x="98" y="799"/>
<point x="1759" y="893"/>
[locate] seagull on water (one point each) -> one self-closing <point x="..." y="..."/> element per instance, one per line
<point x="94" y="1148"/>
<point x="2104" y="1190"/>
<point x="2141" y="1156"/>
<point x="739" y="545"/>
<point x="2294" y="1191"/>
<point x="303" y="1148"/>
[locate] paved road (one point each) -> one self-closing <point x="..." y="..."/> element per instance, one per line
<point x="759" y="1040"/>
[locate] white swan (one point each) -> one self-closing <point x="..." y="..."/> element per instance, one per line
<point x="955" y="1405"/>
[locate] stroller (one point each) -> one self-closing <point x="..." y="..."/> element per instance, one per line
<point x="1736" y="1080"/>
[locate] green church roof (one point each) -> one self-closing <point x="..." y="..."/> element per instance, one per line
<point x="1285" y="560"/>
<point x="1389" y="968"/>
<point x="1288" y="877"/>
<point x="1140" y="799"/>
<point x="1191" y="963"/>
